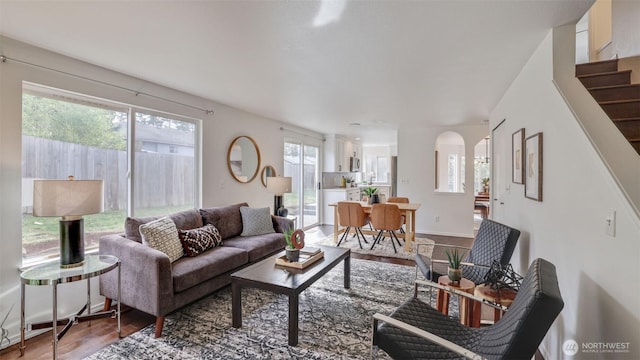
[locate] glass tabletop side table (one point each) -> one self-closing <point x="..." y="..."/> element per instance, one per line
<point x="52" y="274"/>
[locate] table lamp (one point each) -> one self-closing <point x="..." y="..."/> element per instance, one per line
<point x="69" y="199"/>
<point x="279" y="185"/>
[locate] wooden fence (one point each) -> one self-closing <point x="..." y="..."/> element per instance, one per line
<point x="160" y="179"/>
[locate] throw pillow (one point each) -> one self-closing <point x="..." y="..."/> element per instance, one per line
<point x="162" y="235"/>
<point x="256" y="221"/>
<point x="197" y="241"/>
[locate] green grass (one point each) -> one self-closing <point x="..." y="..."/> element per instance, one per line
<point x="39" y="229"/>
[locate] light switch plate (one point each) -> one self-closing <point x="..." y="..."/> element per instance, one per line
<point x="610" y="222"/>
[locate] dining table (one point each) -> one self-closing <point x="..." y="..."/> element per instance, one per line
<point x="406" y="209"/>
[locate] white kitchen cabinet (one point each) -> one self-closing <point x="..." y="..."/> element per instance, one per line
<point x="337" y="153"/>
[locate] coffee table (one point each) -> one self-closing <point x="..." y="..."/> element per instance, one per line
<point x="266" y="275"/>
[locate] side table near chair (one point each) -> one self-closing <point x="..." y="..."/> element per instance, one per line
<point x="466" y="307"/>
<point x="52" y="274"/>
<point x="503" y="298"/>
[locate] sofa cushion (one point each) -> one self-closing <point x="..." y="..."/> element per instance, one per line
<point x="258" y="246"/>
<point x="191" y="271"/>
<point x="256" y="221"/>
<point x="184" y="220"/>
<point x="197" y="241"/>
<point x="162" y="235"/>
<point x="226" y="219"/>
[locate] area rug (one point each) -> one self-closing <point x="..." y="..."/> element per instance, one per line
<point x="335" y="323"/>
<point x="384" y="248"/>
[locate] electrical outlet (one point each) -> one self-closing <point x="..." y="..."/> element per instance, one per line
<point x="610" y="222"/>
<point x="437" y="219"/>
<point x="221" y="184"/>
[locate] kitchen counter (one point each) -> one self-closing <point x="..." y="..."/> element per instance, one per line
<point x="334" y="195"/>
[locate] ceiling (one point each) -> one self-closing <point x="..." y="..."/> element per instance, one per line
<point x="322" y="65"/>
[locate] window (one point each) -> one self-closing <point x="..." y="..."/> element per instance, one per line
<point x="449" y="162"/>
<point x="164" y="178"/>
<point x="377" y="168"/>
<point x="69" y="134"/>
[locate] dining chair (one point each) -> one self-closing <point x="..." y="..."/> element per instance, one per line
<point x="352" y="215"/>
<point x="386" y="217"/>
<point x="415" y="330"/>
<point x="494" y="241"/>
<point x="400" y="200"/>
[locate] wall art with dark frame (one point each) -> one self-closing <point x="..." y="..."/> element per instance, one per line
<point x="517" y="157"/>
<point x="533" y="167"/>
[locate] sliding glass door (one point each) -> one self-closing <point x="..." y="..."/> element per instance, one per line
<point x="301" y="163"/>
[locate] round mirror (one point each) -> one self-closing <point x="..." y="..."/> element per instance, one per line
<point x="243" y="159"/>
<point x="267" y="171"/>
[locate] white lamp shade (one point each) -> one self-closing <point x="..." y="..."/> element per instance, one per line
<point x="67" y="197"/>
<point x="279" y="184"/>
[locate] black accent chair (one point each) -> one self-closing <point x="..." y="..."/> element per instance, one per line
<point x="494" y="241"/>
<point x="415" y="330"/>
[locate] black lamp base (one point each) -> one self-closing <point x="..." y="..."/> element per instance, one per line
<point x="277" y="204"/>
<point x="71" y="243"/>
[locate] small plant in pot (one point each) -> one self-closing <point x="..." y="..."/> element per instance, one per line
<point x="372" y="195"/>
<point x="455" y="260"/>
<point x="485" y="184"/>
<point x="295" y="242"/>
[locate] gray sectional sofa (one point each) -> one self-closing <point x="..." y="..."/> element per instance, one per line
<point x="151" y="283"/>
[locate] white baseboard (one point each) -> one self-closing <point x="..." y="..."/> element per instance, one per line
<point x="471" y="236"/>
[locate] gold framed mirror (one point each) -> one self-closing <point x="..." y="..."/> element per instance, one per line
<point x="243" y="159"/>
<point x="267" y="171"/>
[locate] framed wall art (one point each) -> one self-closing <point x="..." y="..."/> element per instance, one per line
<point x="533" y="167"/>
<point x="517" y="157"/>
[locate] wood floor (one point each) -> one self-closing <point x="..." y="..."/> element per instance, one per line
<point x="84" y="339"/>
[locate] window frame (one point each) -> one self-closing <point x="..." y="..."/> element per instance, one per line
<point x="58" y="94"/>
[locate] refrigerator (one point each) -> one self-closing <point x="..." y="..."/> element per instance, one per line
<point x="393" y="178"/>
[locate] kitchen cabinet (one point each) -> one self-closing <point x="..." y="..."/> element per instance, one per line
<point x="383" y="189"/>
<point x="332" y="196"/>
<point x="337" y="153"/>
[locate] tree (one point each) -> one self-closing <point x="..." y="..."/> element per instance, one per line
<point x="75" y="123"/>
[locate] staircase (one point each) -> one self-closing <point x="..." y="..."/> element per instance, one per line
<point x="619" y="99"/>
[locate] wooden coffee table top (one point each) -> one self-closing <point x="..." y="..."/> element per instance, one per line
<point x="267" y="275"/>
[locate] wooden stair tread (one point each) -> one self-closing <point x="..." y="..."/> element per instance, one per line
<point x="613" y="86"/>
<point x="626" y="119"/>
<point x="618" y="101"/>
<point x="603" y="74"/>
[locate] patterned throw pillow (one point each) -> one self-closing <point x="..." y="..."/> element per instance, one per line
<point x="197" y="241"/>
<point x="162" y="235"/>
<point x="256" y="221"/>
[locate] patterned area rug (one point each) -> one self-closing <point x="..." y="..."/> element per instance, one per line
<point x="335" y="323"/>
<point x="384" y="248"/>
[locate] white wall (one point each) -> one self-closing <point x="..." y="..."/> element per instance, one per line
<point x="599" y="275"/>
<point x="625" y="30"/>
<point x="416" y="179"/>
<point x="218" y="187"/>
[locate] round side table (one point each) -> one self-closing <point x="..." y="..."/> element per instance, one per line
<point x="466" y="307"/>
<point x="505" y="297"/>
<point x="52" y="274"/>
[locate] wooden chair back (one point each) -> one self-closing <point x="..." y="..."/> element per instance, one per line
<point x="398" y="199"/>
<point x="386" y="217"/>
<point x="351" y="214"/>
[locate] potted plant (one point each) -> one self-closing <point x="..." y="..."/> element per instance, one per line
<point x="372" y="195"/>
<point x="485" y="184"/>
<point x="455" y="259"/>
<point x="295" y="242"/>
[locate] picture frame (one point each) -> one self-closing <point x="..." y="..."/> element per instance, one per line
<point x="533" y="167"/>
<point x="517" y="157"/>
